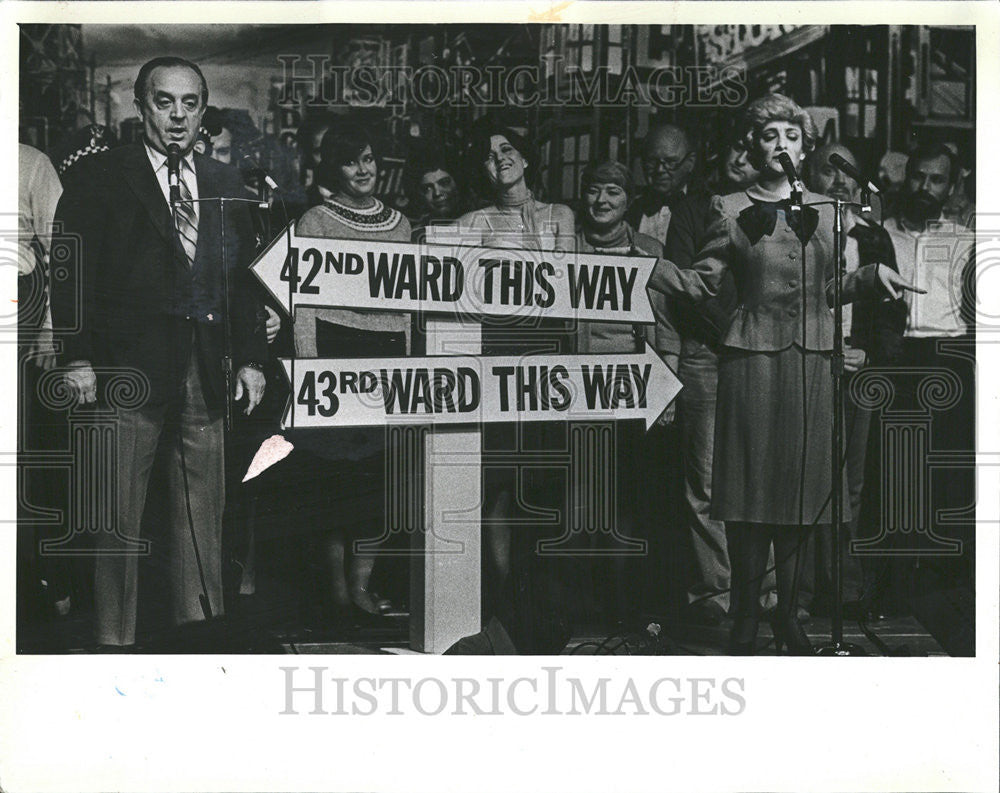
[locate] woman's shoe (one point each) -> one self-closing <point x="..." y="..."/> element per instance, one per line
<point x="789" y="636"/>
<point x="371" y="602"/>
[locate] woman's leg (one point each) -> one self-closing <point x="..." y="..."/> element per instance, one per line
<point x="789" y="557"/>
<point x="334" y="548"/>
<point x="748" y="544"/>
<point x="359" y="573"/>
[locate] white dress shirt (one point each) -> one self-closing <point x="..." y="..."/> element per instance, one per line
<point x="934" y="260"/>
<point x="159" y="163"/>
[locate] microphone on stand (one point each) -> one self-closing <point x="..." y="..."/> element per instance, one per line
<point x="264" y="182"/>
<point x="256" y="168"/>
<point x="793" y="179"/>
<point x="845" y="167"/>
<point x="174" y="172"/>
<point x="867" y="185"/>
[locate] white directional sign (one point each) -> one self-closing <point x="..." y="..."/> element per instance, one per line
<point x="334" y="392"/>
<point x="455" y="279"/>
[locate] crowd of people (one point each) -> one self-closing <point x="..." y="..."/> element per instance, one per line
<point x="741" y="298"/>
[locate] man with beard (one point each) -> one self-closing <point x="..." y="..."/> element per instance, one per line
<point x="938" y="256"/>
<point x="872" y="336"/>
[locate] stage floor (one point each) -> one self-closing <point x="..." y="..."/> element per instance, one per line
<point x="901" y="636"/>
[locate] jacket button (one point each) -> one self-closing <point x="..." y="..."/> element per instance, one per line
<point x="793" y="312"/>
<point x="791" y="256"/>
<point x="793" y="284"/>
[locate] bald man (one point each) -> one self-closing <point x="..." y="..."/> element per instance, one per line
<point x="668" y="160"/>
<point x="872" y="335"/>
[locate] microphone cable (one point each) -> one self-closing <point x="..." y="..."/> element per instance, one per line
<point x="203" y="598"/>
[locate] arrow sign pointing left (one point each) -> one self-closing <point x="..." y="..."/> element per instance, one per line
<point x="340" y="392"/>
<point x="459" y="278"/>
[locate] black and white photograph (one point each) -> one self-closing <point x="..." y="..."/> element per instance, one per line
<point x="637" y="353"/>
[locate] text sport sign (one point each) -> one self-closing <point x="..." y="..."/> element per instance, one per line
<point x="435" y="390"/>
<point x="455" y="279"/>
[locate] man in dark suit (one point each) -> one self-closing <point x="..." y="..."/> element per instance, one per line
<point x="147" y="296"/>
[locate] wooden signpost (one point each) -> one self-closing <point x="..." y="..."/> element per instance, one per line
<point x="454" y="389"/>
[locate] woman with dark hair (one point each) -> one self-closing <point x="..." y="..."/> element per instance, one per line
<point x="500" y="163"/>
<point x="772" y="462"/>
<point x="348" y="169"/>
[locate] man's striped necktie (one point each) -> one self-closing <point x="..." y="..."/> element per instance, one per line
<point x="186" y="220"/>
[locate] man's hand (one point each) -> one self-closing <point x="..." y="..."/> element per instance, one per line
<point x="81" y="380"/>
<point x="273" y="324"/>
<point x="854" y="358"/>
<point x="43" y="351"/>
<point x="252" y="381"/>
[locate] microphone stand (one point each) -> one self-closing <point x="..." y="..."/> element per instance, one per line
<point x="227" y="331"/>
<point x="227" y="357"/>
<point x="837" y="646"/>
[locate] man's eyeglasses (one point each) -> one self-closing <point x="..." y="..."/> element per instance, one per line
<point x="666" y="164"/>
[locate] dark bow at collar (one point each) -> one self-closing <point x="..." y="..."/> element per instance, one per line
<point x="761" y="217"/>
<point x="651" y="202"/>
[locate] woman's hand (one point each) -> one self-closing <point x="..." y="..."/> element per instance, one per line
<point x="894" y="283"/>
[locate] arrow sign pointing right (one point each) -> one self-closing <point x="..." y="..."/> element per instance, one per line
<point x="454" y="278"/>
<point x="435" y="390"/>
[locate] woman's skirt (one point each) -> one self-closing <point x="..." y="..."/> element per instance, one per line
<point x="760" y="474"/>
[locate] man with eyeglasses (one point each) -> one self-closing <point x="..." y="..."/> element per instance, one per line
<point x="668" y="160"/>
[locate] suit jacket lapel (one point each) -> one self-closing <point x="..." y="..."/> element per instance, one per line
<point x="208" y="211"/>
<point x="141" y="179"/>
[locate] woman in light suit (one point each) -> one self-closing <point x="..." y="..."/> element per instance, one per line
<point x="772" y="459"/>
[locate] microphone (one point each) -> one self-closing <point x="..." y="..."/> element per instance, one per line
<point x="174" y="172"/>
<point x="793" y="178"/>
<point x="845" y="167"/>
<point x="786" y="165"/>
<point x="264" y="175"/>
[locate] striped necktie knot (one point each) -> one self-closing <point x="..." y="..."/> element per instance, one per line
<point x="186" y="219"/>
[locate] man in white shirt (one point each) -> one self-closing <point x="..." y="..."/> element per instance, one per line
<point x="938" y="347"/>
<point x="932" y="253"/>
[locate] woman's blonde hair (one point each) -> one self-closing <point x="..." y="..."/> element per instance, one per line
<point x="776" y="107"/>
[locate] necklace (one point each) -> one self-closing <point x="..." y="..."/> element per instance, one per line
<point x="377" y="217"/>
